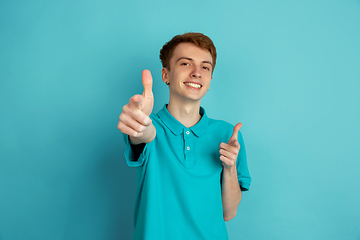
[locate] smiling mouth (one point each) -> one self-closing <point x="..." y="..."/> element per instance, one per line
<point x="194" y="85"/>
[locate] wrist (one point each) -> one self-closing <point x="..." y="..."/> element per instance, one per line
<point x="147" y="136"/>
<point x="231" y="170"/>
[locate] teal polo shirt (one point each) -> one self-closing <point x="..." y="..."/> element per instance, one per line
<point x="179" y="179"/>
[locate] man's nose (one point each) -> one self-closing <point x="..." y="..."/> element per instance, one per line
<point x="196" y="72"/>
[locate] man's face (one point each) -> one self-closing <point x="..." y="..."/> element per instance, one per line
<point x="190" y="72"/>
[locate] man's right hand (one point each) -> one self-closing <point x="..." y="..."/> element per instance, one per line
<point x="134" y="119"/>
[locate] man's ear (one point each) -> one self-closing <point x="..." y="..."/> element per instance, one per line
<point x="165" y="75"/>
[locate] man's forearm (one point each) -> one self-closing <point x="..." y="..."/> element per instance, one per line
<point x="230" y="193"/>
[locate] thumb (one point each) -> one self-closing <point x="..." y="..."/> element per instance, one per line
<point x="147" y="82"/>
<point x="233" y="140"/>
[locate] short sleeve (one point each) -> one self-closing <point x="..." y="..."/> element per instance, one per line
<point x="242" y="167"/>
<point x="130" y="156"/>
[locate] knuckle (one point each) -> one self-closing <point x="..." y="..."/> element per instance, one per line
<point x="235" y="150"/>
<point x="122" y="117"/>
<point x="121" y="127"/>
<point x="141" y="128"/>
<point x="131" y="99"/>
<point x="136" y="134"/>
<point x="133" y="133"/>
<point x="143" y="119"/>
<point x="146" y="119"/>
<point x="125" y="108"/>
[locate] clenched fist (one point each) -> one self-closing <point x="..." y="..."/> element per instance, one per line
<point x="229" y="151"/>
<point x="134" y="119"/>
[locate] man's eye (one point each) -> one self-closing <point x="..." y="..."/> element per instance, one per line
<point x="185" y="64"/>
<point x="206" y="68"/>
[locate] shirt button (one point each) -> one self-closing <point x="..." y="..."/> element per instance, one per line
<point x="188" y="148"/>
<point x="187" y="132"/>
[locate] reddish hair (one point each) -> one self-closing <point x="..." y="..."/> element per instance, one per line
<point x="198" y="39"/>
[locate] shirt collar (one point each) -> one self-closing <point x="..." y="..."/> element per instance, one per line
<point x="177" y="127"/>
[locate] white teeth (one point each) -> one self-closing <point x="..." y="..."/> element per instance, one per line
<point x="194" y="85"/>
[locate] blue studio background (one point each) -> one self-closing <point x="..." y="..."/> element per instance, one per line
<point x="288" y="70"/>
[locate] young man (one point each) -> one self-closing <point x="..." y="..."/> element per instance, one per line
<point x="190" y="169"/>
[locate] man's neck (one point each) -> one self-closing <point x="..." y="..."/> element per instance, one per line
<point x="187" y="114"/>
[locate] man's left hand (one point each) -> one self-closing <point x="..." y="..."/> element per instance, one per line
<point x="230" y="150"/>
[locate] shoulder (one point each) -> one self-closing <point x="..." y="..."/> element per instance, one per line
<point x="156" y="119"/>
<point x="223" y="128"/>
<point x="221" y="124"/>
<point x="158" y="124"/>
<point x="220" y="128"/>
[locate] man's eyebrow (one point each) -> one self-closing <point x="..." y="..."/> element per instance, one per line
<point x="190" y="59"/>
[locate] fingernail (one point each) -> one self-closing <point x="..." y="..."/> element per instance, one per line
<point x="138" y="134"/>
<point x="147" y="122"/>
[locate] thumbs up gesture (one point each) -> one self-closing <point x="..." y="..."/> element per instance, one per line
<point x="230" y="150"/>
<point x="134" y="119"/>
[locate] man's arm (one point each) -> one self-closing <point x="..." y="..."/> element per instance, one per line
<point x="134" y="119"/>
<point x="230" y="191"/>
